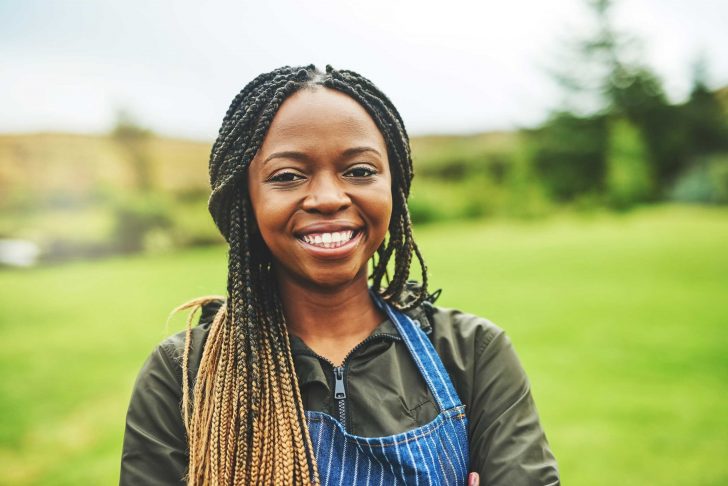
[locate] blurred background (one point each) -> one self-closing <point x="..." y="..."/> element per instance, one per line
<point x="571" y="185"/>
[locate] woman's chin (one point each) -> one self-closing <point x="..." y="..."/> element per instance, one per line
<point x="334" y="278"/>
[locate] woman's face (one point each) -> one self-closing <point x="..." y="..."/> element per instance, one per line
<point x="320" y="187"/>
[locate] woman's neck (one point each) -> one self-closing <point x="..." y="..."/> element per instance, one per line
<point x="331" y="321"/>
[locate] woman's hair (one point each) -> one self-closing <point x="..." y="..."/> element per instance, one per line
<point x="246" y="423"/>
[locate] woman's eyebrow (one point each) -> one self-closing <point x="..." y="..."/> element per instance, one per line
<point x="302" y="156"/>
<point x="358" y="150"/>
<point x="287" y="154"/>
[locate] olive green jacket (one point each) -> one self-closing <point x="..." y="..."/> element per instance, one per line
<point x="384" y="395"/>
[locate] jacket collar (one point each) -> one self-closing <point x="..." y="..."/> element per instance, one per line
<point x="385" y="329"/>
<point x="311" y="369"/>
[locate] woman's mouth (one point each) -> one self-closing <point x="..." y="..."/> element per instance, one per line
<point x="334" y="239"/>
<point x="331" y="244"/>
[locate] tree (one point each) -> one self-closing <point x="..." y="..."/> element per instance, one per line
<point x="706" y="120"/>
<point x="629" y="180"/>
<point x="607" y="79"/>
<point x="133" y="139"/>
<point x="570" y="155"/>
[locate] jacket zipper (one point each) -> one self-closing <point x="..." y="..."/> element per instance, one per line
<point x="340" y="372"/>
<point x="340" y="393"/>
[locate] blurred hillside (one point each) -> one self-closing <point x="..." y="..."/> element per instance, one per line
<point x="55" y="170"/>
<point x="78" y="195"/>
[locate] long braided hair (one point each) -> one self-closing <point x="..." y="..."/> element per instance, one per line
<point x="245" y="420"/>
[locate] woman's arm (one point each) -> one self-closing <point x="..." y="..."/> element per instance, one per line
<point x="507" y="443"/>
<point x="155" y="450"/>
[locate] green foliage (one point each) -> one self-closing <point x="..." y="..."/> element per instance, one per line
<point x="603" y="79"/>
<point x="423" y="212"/>
<point x="618" y="320"/>
<point x="569" y="155"/>
<point x="629" y="180"/>
<point x="433" y="200"/>
<point x="705" y="182"/>
<point x="140" y="221"/>
<point x="494" y="166"/>
<point x="476" y="176"/>
<point x="472" y="177"/>
<point x="192" y="224"/>
<point x="719" y="175"/>
<point x="706" y="118"/>
<point x="463" y="152"/>
<point x="665" y="130"/>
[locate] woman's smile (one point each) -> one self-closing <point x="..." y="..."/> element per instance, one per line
<point x="334" y="245"/>
<point x="336" y="239"/>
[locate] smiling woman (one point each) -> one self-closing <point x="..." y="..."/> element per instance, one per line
<point x="321" y="190"/>
<point x="311" y="370"/>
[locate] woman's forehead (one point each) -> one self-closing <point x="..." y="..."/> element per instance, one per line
<point x="315" y="113"/>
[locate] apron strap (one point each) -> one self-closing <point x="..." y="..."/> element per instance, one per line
<point x="424" y="355"/>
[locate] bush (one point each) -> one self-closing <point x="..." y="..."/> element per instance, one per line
<point x="137" y="218"/>
<point x="706" y="181"/>
<point x="569" y="155"/>
<point x="423" y="212"/>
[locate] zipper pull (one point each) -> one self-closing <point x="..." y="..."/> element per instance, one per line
<point x="339" y="392"/>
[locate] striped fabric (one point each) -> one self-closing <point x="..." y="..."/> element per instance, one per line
<point x="434" y="454"/>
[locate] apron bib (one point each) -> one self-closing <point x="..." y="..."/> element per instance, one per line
<point x="433" y="454"/>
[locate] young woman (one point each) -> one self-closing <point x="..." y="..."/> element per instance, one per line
<point x="314" y="370"/>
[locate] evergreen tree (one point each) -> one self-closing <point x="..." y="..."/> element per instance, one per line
<point x="706" y="120"/>
<point x="629" y="180"/>
<point x="607" y="79"/>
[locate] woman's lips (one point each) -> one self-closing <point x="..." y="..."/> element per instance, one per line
<point x="332" y="244"/>
<point x="333" y="239"/>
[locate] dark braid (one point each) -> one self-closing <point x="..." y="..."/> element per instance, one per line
<point x="247" y="424"/>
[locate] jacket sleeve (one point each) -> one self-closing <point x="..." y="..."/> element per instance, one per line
<point x="507" y="444"/>
<point x="155" y="450"/>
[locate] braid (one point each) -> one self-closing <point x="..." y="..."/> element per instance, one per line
<point x="246" y="423"/>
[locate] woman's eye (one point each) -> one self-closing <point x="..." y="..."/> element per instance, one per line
<point x="285" y="177"/>
<point x="361" y="172"/>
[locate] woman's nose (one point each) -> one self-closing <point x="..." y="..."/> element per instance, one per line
<point x="326" y="195"/>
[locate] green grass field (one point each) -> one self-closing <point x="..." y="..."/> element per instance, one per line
<point x="620" y="320"/>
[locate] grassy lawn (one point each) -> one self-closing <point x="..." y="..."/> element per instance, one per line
<point x="621" y="322"/>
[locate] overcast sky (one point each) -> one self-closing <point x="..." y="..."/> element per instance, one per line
<point x="449" y="66"/>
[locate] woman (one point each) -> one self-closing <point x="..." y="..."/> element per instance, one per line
<point x="312" y="371"/>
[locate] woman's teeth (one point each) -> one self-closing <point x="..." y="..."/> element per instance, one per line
<point x="328" y="240"/>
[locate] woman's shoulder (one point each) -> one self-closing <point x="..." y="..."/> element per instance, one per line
<point x="460" y="327"/>
<point x="154" y="449"/>
<point x="478" y="355"/>
<point x="453" y="329"/>
<point x="173" y="347"/>
<point x="463" y="340"/>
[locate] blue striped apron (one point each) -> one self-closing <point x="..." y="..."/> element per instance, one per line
<point x="433" y="454"/>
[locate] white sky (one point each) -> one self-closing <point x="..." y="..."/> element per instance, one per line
<point x="449" y="66"/>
